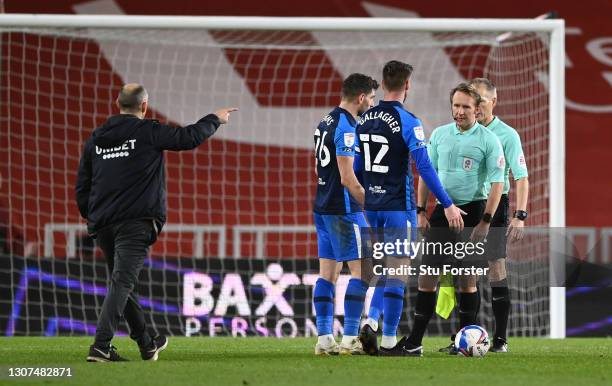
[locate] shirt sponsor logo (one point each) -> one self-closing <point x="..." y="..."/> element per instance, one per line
<point x="419" y="133"/>
<point x="349" y="139"/>
<point x="116" y="152"/>
<point x="468" y="163"/>
<point x="377" y="189"/>
<point x="521" y="160"/>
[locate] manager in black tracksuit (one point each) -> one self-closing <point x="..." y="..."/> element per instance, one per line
<point x="121" y="191"/>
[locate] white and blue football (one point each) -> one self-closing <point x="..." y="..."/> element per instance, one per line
<point x="472" y="341"/>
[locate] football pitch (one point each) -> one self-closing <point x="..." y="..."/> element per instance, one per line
<point x="270" y="361"/>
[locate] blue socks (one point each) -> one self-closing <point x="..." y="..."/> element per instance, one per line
<point x="376" y="305"/>
<point x="392" y="306"/>
<point x="324" y="305"/>
<point x="353" y="306"/>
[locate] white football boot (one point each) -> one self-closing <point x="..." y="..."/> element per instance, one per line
<point x="327" y="346"/>
<point x="351" y="346"/>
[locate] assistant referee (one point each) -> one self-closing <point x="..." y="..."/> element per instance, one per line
<point x="121" y="191"/>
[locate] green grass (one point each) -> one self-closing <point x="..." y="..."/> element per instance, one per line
<point x="270" y="361"/>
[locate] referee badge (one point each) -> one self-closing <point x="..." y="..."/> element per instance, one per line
<point x="467" y="163"/>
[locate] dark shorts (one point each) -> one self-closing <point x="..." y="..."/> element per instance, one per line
<point x="496" y="239"/>
<point x="440" y="233"/>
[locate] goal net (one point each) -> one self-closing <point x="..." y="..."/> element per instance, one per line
<point x="238" y="255"/>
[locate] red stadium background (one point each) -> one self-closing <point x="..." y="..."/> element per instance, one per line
<point x="588" y="120"/>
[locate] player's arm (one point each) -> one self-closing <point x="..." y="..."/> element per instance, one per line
<point x="429" y="176"/>
<point x="422" y="198"/>
<point x="422" y="189"/>
<point x="515" y="229"/>
<point x="518" y="166"/>
<point x="191" y="136"/>
<point x="348" y="178"/>
<point x="522" y="193"/>
<point x="344" y="140"/>
<point x="497" y="188"/>
<point x="358" y="161"/>
<point x="495" y="165"/>
<point x="83" y="181"/>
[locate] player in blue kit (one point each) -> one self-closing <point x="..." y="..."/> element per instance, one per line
<point x="389" y="139"/>
<point x="338" y="216"/>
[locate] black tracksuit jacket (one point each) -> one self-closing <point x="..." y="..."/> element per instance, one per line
<point x="121" y="174"/>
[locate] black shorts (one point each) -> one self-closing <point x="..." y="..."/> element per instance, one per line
<point x="440" y="234"/>
<point x="497" y="239"/>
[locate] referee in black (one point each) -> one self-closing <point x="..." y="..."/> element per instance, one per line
<point x="121" y="191"/>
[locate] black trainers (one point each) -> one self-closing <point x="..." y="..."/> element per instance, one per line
<point x="159" y="343"/>
<point x="403" y="348"/>
<point x="499" y="345"/>
<point x="99" y="355"/>
<point x="448" y="349"/>
<point x="369" y="340"/>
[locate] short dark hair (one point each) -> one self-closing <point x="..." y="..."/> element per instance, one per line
<point x="489" y="86"/>
<point x="357" y="84"/>
<point x="131" y="97"/>
<point x="468" y="89"/>
<point x="395" y="75"/>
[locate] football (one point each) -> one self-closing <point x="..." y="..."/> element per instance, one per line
<point x="472" y="341"/>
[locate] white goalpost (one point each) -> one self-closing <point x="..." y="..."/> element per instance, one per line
<point x="240" y="225"/>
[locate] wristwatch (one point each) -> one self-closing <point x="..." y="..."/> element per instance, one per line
<point x="521" y="214"/>
<point x="487" y="217"/>
<point x="421" y="209"/>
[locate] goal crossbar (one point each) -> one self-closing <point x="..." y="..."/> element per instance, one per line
<point x="281" y="23"/>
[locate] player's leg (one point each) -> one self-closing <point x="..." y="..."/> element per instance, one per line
<point x="133" y="312"/>
<point x="376" y="304"/>
<point x="150" y="346"/>
<point x="427" y="284"/>
<point x="396" y="227"/>
<point x="354" y="299"/>
<point x="496" y="254"/>
<point x="469" y="301"/>
<point x="106" y="241"/>
<point x="323" y="296"/>
<point x="346" y="242"/>
<point x="469" y="296"/>
<point x="500" y="302"/>
<point x="399" y="225"/>
<point x="131" y="245"/>
<point x="368" y="333"/>
<point x="423" y="311"/>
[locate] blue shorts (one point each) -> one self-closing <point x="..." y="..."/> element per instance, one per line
<point x="392" y="225"/>
<point x="339" y="236"/>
